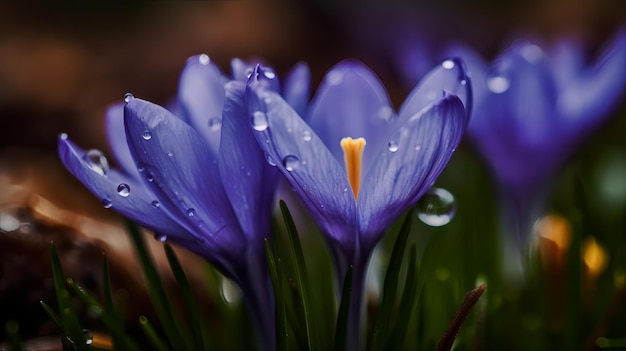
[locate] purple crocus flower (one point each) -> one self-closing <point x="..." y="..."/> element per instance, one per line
<point x="324" y="158"/>
<point x="532" y="108"/>
<point x="196" y="178"/>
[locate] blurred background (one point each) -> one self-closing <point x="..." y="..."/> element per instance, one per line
<point x="63" y="62"/>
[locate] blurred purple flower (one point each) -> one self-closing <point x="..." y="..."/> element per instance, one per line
<point x="532" y="108"/>
<point x="196" y="178"/>
<point x="404" y="155"/>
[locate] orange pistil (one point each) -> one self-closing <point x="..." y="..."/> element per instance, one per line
<point x="353" y="153"/>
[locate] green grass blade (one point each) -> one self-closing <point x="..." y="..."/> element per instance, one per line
<point x="301" y="279"/>
<point x="152" y="335"/>
<point x="106" y="286"/>
<point x="279" y="308"/>
<point x="407" y="301"/>
<point x="67" y="315"/>
<point x="172" y="325"/>
<point x="390" y="288"/>
<point x="110" y="319"/>
<point x="53" y="315"/>
<point x="341" y="329"/>
<point x="193" y="309"/>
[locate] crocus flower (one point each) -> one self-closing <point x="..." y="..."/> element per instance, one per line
<point x="352" y="190"/>
<point x="196" y="178"/>
<point x="532" y="109"/>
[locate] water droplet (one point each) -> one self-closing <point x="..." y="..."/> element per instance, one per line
<point x="155" y="204"/>
<point x="106" y="203"/>
<point x="463" y="82"/>
<point x="123" y="190"/>
<point x="149" y="178"/>
<point x="230" y="291"/>
<point x="146" y="135"/>
<point x="259" y="121"/>
<point x="334" y="77"/>
<point x="215" y="123"/>
<point x="498" y="84"/>
<point x="448" y="64"/>
<point x="385" y="113"/>
<point x="96" y="161"/>
<point x="204" y="59"/>
<point x="63" y="136"/>
<point x="170" y="154"/>
<point x="393" y="146"/>
<point x="532" y="53"/>
<point x="8" y="222"/>
<point x="345" y="190"/>
<point x="128" y="97"/>
<point x="88" y="336"/>
<point x="249" y="72"/>
<point x="306" y="136"/>
<point x="291" y="162"/>
<point x="270" y="160"/>
<point x="418" y="147"/>
<point x="191" y="212"/>
<point x="436" y="207"/>
<point x="160" y="237"/>
<point x="269" y="74"/>
<point x="141" y="167"/>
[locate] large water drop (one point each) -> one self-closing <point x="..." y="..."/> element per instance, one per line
<point x="291" y="162"/>
<point x="259" y="121"/>
<point x="436" y="207"/>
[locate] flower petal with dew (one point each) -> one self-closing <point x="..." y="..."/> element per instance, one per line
<point x="326" y="159"/>
<point x="197" y="177"/>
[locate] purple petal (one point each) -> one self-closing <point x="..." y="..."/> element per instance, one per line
<point x="297" y="88"/>
<point x="116" y="135"/>
<point x="138" y="203"/>
<point x="418" y="153"/>
<point x="351" y="102"/>
<point x="241" y="70"/>
<point x="306" y="163"/>
<point x="201" y="98"/>
<point x="476" y="68"/>
<point x="250" y="182"/>
<point x="596" y="90"/>
<point x="449" y="77"/>
<point x="179" y="168"/>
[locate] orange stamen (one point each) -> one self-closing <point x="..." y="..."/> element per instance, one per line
<point x="353" y="153"/>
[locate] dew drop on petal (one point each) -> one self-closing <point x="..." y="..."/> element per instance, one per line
<point x="96" y="161"/>
<point x="436" y="207"/>
<point x="149" y="178"/>
<point x="448" y="64"/>
<point x="123" y="190"/>
<point x="146" y="135"/>
<point x="385" y="113"/>
<point x="215" y="123"/>
<point x="155" y="204"/>
<point x="249" y="72"/>
<point x="191" y="212"/>
<point x="334" y="77"/>
<point x="270" y="160"/>
<point x="204" y="59"/>
<point x="269" y="74"/>
<point x="418" y="147"/>
<point x="306" y="136"/>
<point x="160" y="237"/>
<point x="291" y="162"/>
<point x="259" y="121"/>
<point x="170" y="154"/>
<point x="497" y="84"/>
<point x="141" y="167"/>
<point x="463" y="82"/>
<point x="393" y="146"/>
<point x="128" y="97"/>
<point x="106" y="203"/>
